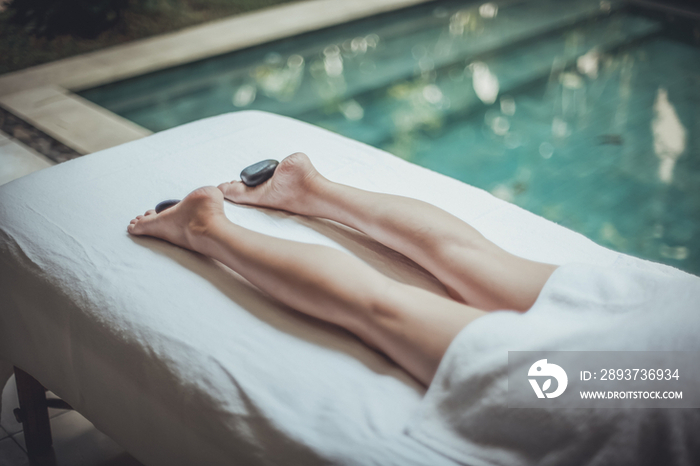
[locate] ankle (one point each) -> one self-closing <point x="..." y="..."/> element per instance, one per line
<point x="200" y="231"/>
<point x="314" y="189"/>
<point x="331" y="200"/>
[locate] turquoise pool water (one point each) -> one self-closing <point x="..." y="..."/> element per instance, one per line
<point x="584" y="112"/>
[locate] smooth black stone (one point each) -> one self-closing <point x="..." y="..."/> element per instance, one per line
<point x="166" y="205"/>
<point x="258" y="173"/>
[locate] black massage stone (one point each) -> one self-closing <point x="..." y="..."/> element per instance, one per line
<point x="166" y="205"/>
<point x="253" y="175"/>
<point x="258" y="173"/>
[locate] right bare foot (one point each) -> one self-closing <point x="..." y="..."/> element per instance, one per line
<point x="291" y="188"/>
<point x="185" y="224"/>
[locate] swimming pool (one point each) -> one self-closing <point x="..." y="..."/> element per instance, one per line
<point x="585" y="112"/>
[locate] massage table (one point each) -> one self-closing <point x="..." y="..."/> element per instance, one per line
<point x="179" y="359"/>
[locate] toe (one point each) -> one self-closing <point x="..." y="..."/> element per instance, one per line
<point x="234" y="191"/>
<point x="140" y="226"/>
<point x="150" y="212"/>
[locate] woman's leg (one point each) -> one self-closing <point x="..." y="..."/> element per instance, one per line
<point x="410" y="325"/>
<point x="473" y="269"/>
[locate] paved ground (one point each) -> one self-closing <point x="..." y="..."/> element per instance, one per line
<point x="76" y="441"/>
<point x="16" y="159"/>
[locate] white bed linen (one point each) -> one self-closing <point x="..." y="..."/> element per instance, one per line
<point x="633" y="305"/>
<point x="177" y="358"/>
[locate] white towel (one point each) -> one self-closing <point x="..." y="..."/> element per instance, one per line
<point x="632" y="305"/>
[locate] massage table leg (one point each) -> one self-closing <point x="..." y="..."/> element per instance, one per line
<point x="33" y="413"/>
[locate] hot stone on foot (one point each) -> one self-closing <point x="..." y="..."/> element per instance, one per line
<point x="258" y="173"/>
<point x="251" y="176"/>
<point x="166" y="205"/>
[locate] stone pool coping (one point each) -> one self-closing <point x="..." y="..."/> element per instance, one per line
<point x="44" y="95"/>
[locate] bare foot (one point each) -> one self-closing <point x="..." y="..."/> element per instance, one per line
<point x="291" y="188"/>
<point x="186" y="223"/>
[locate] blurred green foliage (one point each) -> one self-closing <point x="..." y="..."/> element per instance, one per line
<point x="39" y="31"/>
<point x="49" y="18"/>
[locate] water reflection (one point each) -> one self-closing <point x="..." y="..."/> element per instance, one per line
<point x="588" y="63"/>
<point x="245" y="95"/>
<point x="352" y="110"/>
<point x="507" y="105"/>
<point x="332" y="61"/>
<point x="669" y="135"/>
<point x="488" y="10"/>
<point x="276" y="78"/>
<point x="485" y="83"/>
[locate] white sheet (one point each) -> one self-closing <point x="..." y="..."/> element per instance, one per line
<point x="632" y="305"/>
<point x="174" y="356"/>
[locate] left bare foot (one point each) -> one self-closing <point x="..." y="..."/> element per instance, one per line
<point x="186" y="223"/>
<point x="293" y="187"/>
